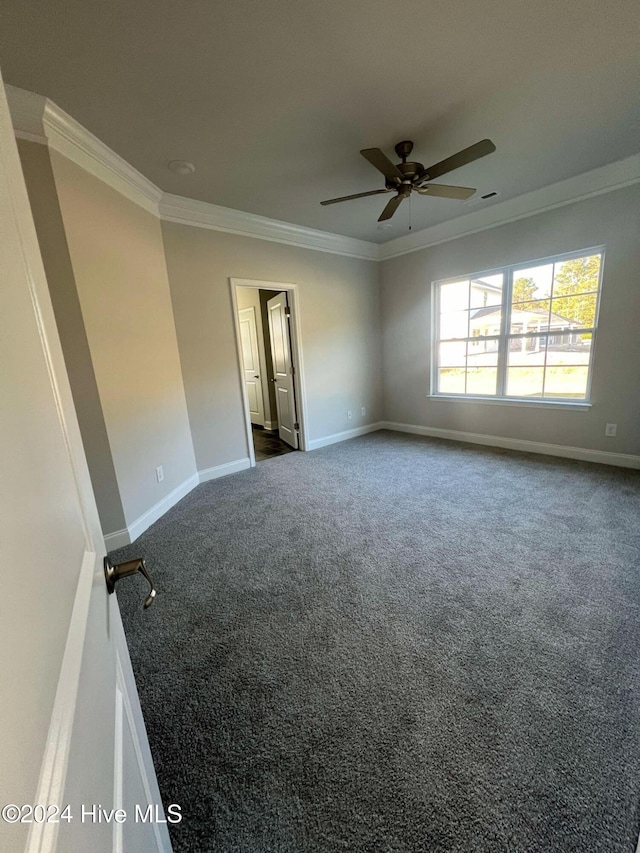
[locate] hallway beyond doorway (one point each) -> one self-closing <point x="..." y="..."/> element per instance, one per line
<point x="266" y="443"/>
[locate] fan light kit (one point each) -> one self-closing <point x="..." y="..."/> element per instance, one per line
<point x="182" y="167"/>
<point x="405" y="177"/>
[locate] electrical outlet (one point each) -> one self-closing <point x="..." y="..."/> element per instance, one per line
<point x="159" y="473"/>
<point x="363" y="411"/>
<point x="611" y="430"/>
<point x="349" y="414"/>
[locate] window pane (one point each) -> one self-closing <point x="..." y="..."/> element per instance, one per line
<point x="574" y="310"/>
<point x="532" y="284"/>
<point x="485" y="321"/>
<point x="527" y="351"/>
<point x="479" y="346"/>
<point x="454" y="296"/>
<point x="481" y="357"/>
<point x="569" y="349"/>
<point x="486" y="291"/>
<point x="566" y="382"/>
<point x="482" y="380"/>
<point x="451" y="380"/>
<point x="579" y="275"/>
<point x="454" y="325"/>
<point x="525" y="381"/>
<point x="453" y="354"/>
<point x="530" y="317"/>
<point x="546" y="350"/>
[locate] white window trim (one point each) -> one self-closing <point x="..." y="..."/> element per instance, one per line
<point x="507" y="271"/>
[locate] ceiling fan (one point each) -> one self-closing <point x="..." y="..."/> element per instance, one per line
<point x="405" y="177"/>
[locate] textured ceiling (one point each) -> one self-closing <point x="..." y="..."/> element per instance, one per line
<point x="273" y="99"/>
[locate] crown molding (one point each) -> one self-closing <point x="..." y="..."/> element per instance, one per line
<point x="38" y="119"/>
<point x="186" y="211"/>
<point x="605" y="179"/>
<point x="27" y="112"/>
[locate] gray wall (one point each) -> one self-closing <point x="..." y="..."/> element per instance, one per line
<point x="612" y="219"/>
<point x="118" y="261"/>
<point x="340" y="327"/>
<point x="47" y="216"/>
<point x="105" y="258"/>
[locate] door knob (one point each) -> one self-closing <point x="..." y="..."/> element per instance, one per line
<point x="115" y="573"/>
<point x="256" y="377"/>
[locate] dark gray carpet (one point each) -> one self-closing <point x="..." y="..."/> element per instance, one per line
<point x="396" y="644"/>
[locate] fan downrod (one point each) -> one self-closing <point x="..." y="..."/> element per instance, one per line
<point x="403" y="149"/>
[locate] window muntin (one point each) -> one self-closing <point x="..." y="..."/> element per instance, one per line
<point x="524" y="332"/>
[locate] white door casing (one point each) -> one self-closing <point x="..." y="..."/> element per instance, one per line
<point x="71" y="729"/>
<point x="283" y="368"/>
<point x="293" y="297"/>
<point x="251" y="361"/>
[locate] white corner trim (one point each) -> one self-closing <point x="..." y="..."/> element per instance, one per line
<point x="158" y="510"/>
<point x="271" y="425"/>
<point x="223" y="470"/>
<point x="585" y="454"/>
<point x="38" y="119"/>
<point x="53" y="771"/>
<point x="344" y="436"/>
<point x="117" y="539"/>
<point x="187" y="211"/>
<point x="613" y="176"/>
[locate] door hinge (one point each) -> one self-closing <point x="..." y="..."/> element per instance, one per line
<point x="293" y="370"/>
<point x="296" y="425"/>
<point x="287" y="311"/>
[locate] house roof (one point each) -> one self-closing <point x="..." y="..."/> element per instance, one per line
<point x="489" y="311"/>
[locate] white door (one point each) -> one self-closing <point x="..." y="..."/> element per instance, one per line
<point x="251" y="362"/>
<point x="279" y="334"/>
<point x="71" y="731"/>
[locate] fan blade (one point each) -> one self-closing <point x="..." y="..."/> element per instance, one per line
<point x="467" y="155"/>
<point x="446" y="191"/>
<point x="391" y="207"/>
<point x="382" y="163"/>
<point x="357" y="195"/>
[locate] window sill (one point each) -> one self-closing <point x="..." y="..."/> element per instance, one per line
<point x="581" y="406"/>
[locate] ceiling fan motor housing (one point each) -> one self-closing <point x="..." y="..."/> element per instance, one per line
<point x="403" y="149"/>
<point x="411" y="171"/>
<point x="402" y="178"/>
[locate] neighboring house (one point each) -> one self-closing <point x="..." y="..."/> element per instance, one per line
<point x="486" y="322"/>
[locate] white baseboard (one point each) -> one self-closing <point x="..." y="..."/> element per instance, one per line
<point x="344" y="436"/>
<point x="120" y="538"/>
<point x="158" y="510"/>
<point x="585" y="454"/>
<point x="271" y="425"/>
<point x="223" y="470"/>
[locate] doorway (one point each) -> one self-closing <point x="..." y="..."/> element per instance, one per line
<point x="270" y="367"/>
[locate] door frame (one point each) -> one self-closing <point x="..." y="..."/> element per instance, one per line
<point x="293" y="298"/>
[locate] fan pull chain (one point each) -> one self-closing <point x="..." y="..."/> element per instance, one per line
<point x="410" y="210"/>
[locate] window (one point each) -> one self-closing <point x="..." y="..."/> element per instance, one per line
<point x="524" y="332"/>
